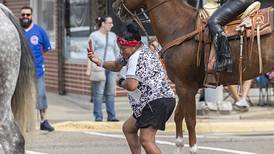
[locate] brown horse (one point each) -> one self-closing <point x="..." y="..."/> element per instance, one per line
<point x="171" y="19"/>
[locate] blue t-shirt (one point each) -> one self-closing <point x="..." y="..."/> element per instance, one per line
<point x="39" y="43"/>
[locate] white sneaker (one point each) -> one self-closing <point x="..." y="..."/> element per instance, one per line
<point x="242" y="103"/>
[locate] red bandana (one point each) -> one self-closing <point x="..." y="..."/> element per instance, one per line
<point x="123" y="42"/>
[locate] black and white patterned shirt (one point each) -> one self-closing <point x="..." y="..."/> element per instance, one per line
<point x="145" y="66"/>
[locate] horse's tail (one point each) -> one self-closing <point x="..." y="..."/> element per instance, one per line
<point x="24" y="97"/>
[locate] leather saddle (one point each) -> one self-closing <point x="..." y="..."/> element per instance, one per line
<point x="258" y="23"/>
<point x="263" y="19"/>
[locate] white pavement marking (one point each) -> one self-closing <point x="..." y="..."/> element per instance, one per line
<point x="173" y="136"/>
<point x="173" y="144"/>
<point x="32" y="152"/>
<point x="106" y="135"/>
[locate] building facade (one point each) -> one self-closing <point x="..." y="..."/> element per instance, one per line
<point x="68" y="24"/>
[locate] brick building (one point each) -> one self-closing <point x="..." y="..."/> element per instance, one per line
<point x="68" y="24"/>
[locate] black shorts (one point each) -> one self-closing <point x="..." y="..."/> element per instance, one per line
<point x="156" y="113"/>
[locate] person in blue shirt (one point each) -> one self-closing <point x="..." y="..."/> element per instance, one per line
<point x="39" y="44"/>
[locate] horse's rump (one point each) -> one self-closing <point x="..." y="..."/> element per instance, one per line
<point x="24" y="96"/>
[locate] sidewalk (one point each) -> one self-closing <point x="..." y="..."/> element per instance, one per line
<point x="74" y="113"/>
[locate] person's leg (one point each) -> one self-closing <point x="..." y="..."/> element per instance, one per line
<point x="42" y="114"/>
<point x="229" y="10"/>
<point x="98" y="91"/>
<point x="234" y="92"/>
<point x="110" y="95"/>
<point x="240" y="101"/>
<point x="147" y="140"/>
<point x="246" y="88"/>
<point x="130" y="131"/>
<point x="42" y="104"/>
<point x="91" y="94"/>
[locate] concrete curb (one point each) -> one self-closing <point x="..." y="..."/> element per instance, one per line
<point x="205" y="126"/>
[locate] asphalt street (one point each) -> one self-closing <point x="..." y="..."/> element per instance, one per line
<point x="250" y="132"/>
<point x="60" y="142"/>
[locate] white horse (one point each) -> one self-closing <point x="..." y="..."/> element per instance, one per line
<point x="17" y="84"/>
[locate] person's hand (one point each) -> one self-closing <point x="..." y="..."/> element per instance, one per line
<point x="92" y="57"/>
<point x="120" y="80"/>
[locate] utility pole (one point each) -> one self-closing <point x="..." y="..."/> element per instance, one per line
<point x="93" y="14"/>
<point x="59" y="40"/>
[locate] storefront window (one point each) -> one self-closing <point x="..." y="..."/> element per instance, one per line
<point x="78" y="29"/>
<point x="45" y="14"/>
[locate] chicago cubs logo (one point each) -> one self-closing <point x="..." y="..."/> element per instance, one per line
<point x="34" y="40"/>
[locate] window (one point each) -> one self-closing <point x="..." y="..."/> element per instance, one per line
<point x="77" y="28"/>
<point x="45" y="17"/>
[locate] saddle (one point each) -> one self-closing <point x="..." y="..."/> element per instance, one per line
<point x="253" y="25"/>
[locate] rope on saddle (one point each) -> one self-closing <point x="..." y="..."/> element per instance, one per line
<point x="259" y="49"/>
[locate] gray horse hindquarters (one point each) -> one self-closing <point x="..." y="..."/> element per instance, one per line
<point x="16" y="80"/>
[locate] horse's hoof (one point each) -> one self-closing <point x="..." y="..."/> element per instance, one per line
<point x="179" y="142"/>
<point x="193" y="149"/>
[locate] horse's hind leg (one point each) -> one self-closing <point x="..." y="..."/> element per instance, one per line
<point x="11" y="139"/>
<point x="186" y="108"/>
<point x="10" y="136"/>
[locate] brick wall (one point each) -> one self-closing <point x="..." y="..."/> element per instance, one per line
<point x="51" y="62"/>
<point x="15" y="5"/>
<point x="76" y="81"/>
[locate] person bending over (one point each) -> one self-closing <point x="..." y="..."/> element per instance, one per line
<point x="150" y="96"/>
